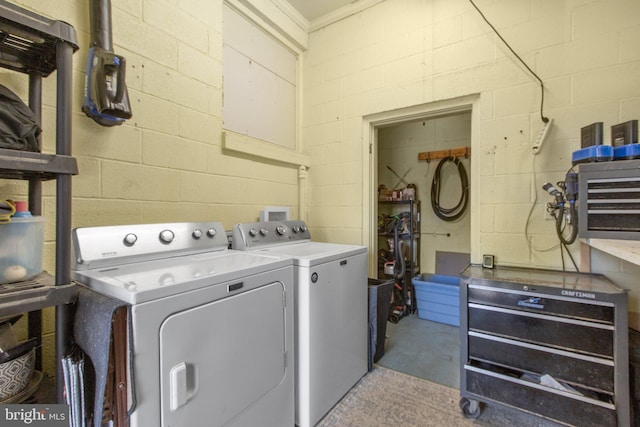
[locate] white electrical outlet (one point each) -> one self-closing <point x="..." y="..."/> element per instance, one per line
<point x="542" y="136"/>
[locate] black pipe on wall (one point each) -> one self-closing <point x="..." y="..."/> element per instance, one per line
<point x="100" y="15"/>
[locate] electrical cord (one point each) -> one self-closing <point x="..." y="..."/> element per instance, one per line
<point x="566" y="248"/>
<point x="528" y="238"/>
<point x="564" y="208"/>
<point x="558" y="210"/>
<point x="542" y="116"/>
<point x="561" y="226"/>
<point x="573" y="261"/>
<point x="454" y="213"/>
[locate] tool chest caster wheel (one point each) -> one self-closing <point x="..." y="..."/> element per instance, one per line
<point x="470" y="408"/>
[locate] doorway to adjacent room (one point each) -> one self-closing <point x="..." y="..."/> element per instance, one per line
<point x="416" y="346"/>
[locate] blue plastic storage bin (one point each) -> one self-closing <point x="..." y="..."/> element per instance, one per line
<point x="438" y="298"/>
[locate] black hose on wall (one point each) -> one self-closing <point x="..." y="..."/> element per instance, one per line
<point x="454" y="213"/>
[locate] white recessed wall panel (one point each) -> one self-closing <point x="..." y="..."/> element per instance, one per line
<point x="259" y="83"/>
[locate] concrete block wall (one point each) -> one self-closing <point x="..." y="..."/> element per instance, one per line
<point x="167" y="163"/>
<point x="402" y="53"/>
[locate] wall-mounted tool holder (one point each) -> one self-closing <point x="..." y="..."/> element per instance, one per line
<point x="442" y="154"/>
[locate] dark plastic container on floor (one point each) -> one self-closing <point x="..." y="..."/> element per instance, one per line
<point x="379" y="302"/>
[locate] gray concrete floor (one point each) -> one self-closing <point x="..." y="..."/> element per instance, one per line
<point x="423" y="349"/>
<point x="431" y="351"/>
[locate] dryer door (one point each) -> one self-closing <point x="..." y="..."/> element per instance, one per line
<point x="219" y="358"/>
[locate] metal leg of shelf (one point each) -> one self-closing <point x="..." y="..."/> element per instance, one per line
<point x="35" y="331"/>
<point x="64" y="100"/>
<point x="63" y="332"/>
<point x="35" y="202"/>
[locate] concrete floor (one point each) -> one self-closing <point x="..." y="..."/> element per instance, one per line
<point x="423" y="349"/>
<point x="431" y="351"/>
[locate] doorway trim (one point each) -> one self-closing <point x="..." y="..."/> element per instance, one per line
<point x="370" y="125"/>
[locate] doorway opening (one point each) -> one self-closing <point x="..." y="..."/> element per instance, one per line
<point x="416" y="346"/>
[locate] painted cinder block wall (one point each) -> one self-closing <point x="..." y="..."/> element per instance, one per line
<point x="168" y="162"/>
<point x="402" y="53"/>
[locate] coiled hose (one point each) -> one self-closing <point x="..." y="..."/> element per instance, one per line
<point x="562" y="223"/>
<point x="454" y="213"/>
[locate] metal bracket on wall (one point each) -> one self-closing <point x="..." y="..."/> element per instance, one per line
<point x="441" y="154"/>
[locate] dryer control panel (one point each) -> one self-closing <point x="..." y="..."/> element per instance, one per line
<point x="97" y="247"/>
<point x="253" y="235"/>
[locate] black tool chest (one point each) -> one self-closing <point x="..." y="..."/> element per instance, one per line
<point x="610" y="198"/>
<point x="547" y="342"/>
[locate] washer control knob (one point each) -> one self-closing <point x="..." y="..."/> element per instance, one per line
<point x="264" y="231"/>
<point x="130" y="239"/>
<point x="296" y="228"/>
<point x="281" y="229"/>
<point x="253" y="232"/>
<point x="197" y="233"/>
<point x="211" y="232"/>
<point x="166" y="236"/>
<point x="303" y="228"/>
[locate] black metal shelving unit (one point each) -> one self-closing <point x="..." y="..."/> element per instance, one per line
<point x="36" y="46"/>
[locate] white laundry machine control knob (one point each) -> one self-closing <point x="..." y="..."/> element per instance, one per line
<point x="296" y="228"/>
<point x="264" y="231"/>
<point x="130" y="239"/>
<point x="211" y="232"/>
<point x="197" y="233"/>
<point x="166" y="236"/>
<point x="253" y="232"/>
<point x="303" y="228"/>
<point x="281" y="229"/>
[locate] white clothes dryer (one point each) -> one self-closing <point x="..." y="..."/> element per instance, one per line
<point x="330" y="311"/>
<point x="212" y="328"/>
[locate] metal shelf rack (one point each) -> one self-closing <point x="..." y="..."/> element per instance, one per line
<point x="35" y="45"/>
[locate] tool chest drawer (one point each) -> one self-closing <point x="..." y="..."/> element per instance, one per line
<point x="558" y="405"/>
<point x="551" y="343"/>
<point x="562" y="365"/>
<point x="558" y="332"/>
<point x="538" y="303"/>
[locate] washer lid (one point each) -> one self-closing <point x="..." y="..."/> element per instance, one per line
<point x="308" y="254"/>
<point x="146" y="281"/>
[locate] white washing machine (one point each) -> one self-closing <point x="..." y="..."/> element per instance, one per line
<point x="212" y="328"/>
<point x="330" y="311"/>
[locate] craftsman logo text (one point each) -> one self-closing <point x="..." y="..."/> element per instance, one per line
<point x="579" y="294"/>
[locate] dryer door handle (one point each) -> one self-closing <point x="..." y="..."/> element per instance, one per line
<point x="181" y="385"/>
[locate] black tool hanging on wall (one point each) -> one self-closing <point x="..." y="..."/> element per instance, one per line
<point x="106" y="99"/>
